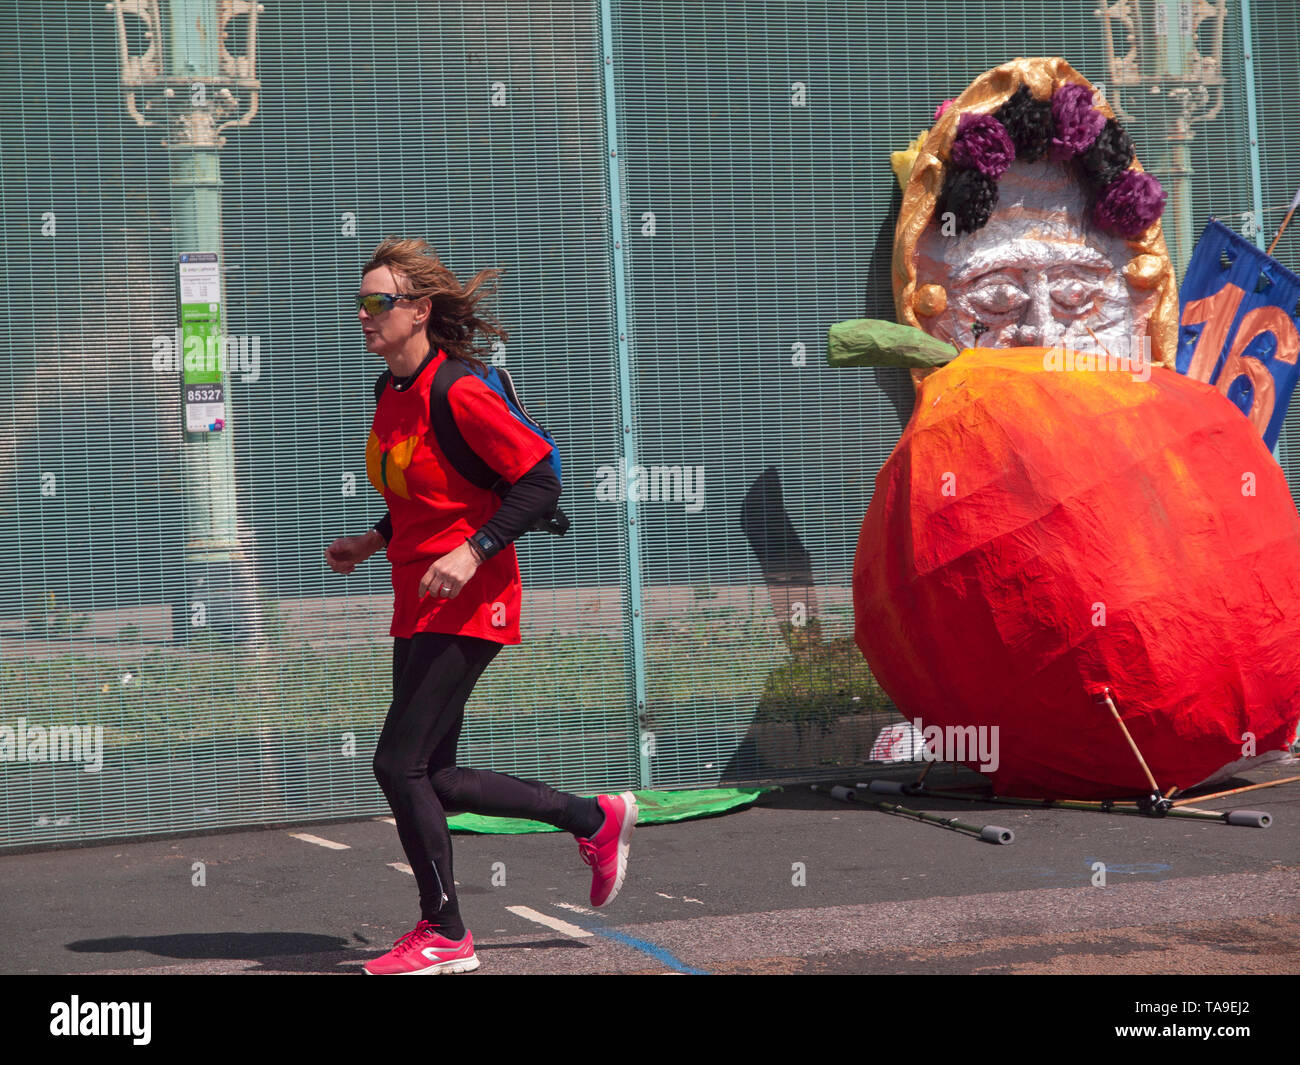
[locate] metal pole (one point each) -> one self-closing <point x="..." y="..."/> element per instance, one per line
<point x="219" y="593"/>
<point x="1252" y="124"/>
<point x="988" y="833"/>
<point x="1251" y="818"/>
<point x="646" y="738"/>
<point x="1170" y="65"/>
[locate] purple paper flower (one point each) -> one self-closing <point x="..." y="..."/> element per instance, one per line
<point x="1077" y="122"/>
<point x="1129" y="204"/>
<point x="983" y="144"/>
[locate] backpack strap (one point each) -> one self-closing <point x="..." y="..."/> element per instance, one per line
<point x="507" y="382"/>
<point x="381" y="382"/>
<point x="453" y="445"/>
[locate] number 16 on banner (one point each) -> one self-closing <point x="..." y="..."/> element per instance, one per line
<point x="1238" y="326"/>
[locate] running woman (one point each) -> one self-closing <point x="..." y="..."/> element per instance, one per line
<point x="456" y="590"/>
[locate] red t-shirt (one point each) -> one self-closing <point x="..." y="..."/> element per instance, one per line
<point x="434" y="509"/>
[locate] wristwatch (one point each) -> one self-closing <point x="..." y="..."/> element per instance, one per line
<point x="485" y="544"/>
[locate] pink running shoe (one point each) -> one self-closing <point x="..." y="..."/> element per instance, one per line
<point x="423" y="952"/>
<point x="606" y="852"/>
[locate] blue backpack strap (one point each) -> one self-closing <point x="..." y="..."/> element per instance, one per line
<point x="520" y="411"/>
<point x="465" y="458"/>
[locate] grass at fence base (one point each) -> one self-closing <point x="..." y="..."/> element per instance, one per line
<point x="821" y="681"/>
<point x="208" y="689"/>
<point x="657" y="807"/>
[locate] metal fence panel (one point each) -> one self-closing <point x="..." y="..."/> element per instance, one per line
<point x="683" y="197"/>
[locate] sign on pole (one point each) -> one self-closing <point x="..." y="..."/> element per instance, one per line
<point x="202" y="343"/>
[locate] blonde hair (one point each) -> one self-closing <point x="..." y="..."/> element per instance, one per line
<point x="458" y="315"/>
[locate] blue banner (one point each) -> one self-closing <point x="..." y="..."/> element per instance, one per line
<point x="1237" y="327"/>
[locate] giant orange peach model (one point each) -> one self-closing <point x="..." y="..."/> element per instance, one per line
<point x="1065" y="518"/>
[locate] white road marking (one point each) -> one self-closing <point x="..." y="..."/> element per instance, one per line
<point x="571" y="906"/>
<point x="402" y="867"/>
<point x="553" y="923"/>
<point x="685" y="898"/>
<point x="387" y="820"/>
<point x="320" y="842"/>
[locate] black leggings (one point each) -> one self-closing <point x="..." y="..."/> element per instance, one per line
<point x="415" y="764"/>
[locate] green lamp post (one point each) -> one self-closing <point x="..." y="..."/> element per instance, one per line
<point x="187" y="82"/>
<point x="1169" y="79"/>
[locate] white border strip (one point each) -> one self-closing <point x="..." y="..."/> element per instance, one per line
<point x="320" y="842"/>
<point x="553" y="923"/>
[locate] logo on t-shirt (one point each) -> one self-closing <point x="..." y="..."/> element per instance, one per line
<point x="386" y="468"/>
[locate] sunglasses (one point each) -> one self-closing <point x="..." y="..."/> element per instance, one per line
<point x="376" y="303"/>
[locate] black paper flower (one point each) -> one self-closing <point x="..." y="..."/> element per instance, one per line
<point x="1110" y="155"/>
<point x="969" y="196"/>
<point x="1029" y="122"/>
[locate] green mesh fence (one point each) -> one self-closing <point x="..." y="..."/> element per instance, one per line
<point x="683" y="197"/>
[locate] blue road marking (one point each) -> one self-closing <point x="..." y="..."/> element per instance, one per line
<point x="658" y="953"/>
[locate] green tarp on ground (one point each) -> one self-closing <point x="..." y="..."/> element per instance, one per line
<point x="656" y="807"/>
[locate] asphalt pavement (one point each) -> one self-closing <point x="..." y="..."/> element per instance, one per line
<point x="797" y="883"/>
